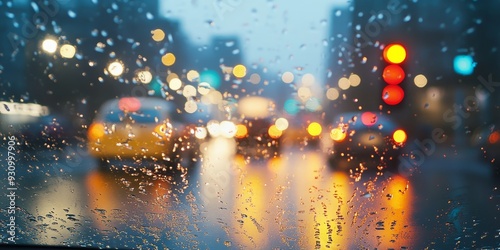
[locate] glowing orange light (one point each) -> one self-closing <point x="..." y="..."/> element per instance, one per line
<point x="494" y="137"/>
<point x="274" y="132"/>
<point x="394" y="53"/>
<point x="399" y="136"/>
<point x="96" y="131"/>
<point x="393" y="94"/>
<point x="337" y="134"/>
<point x="369" y="118"/>
<point x="129" y="104"/>
<point x="393" y="74"/>
<point x="241" y="131"/>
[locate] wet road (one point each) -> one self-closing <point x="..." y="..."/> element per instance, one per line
<point x="224" y="201"/>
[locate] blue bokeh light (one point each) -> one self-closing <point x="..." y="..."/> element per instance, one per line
<point x="464" y="65"/>
<point x="291" y="106"/>
<point x="211" y="77"/>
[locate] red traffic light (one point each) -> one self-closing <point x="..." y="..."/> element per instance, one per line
<point x="393" y="94"/>
<point x="394" y="53"/>
<point x="393" y="74"/>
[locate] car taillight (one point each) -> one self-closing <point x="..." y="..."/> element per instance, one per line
<point x="338" y="135"/>
<point x="241" y="131"/>
<point x="399" y="136"/>
<point x="494" y="137"/>
<point x="274" y="132"/>
<point x="96" y="131"/>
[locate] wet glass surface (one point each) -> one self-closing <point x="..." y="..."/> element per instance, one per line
<point x="250" y="125"/>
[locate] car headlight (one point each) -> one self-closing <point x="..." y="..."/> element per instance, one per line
<point x="96" y="131"/>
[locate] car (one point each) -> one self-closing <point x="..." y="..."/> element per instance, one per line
<point x="365" y="138"/>
<point x="135" y="128"/>
<point x="35" y="126"/>
<point x="487" y="138"/>
<point x="258" y="129"/>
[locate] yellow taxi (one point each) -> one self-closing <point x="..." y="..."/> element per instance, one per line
<point x="133" y="128"/>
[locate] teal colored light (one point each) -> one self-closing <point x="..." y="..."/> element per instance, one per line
<point x="463" y="65"/>
<point x="155" y="85"/>
<point x="291" y="106"/>
<point x="212" y="77"/>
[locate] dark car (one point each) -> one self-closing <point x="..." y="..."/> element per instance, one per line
<point x="365" y="139"/>
<point x="34" y="126"/>
<point x="258" y="130"/>
<point x="488" y="140"/>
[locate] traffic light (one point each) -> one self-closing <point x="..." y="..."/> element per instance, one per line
<point x="393" y="74"/>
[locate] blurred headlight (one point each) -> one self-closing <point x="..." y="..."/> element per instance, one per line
<point x="241" y="131"/>
<point x="274" y="132"/>
<point x="213" y="128"/>
<point x="96" y="131"/>
<point x="200" y="133"/>
<point x="227" y="129"/>
<point x="337" y="134"/>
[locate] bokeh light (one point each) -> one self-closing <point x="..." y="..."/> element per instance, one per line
<point x="399" y="136"/>
<point x="355" y="80"/>
<point x="175" y="84"/>
<point x="241" y="131"/>
<point x="188" y="91"/>
<point x="394" y="53"/>
<point x="337" y="134"/>
<point x="281" y="123"/>
<point x="344" y="83"/>
<point x="129" y="104"/>
<point x="308" y="80"/>
<point x="420" y="81"/>
<point x="144" y="76"/>
<point x="67" y="51"/>
<point x="239" y="71"/>
<point x="168" y="59"/>
<point x="211" y="77"/>
<point x="393" y="94"/>
<point x="190" y="106"/>
<point x="274" y="132"/>
<point x="291" y="106"/>
<point x="192" y="75"/>
<point x="116" y="68"/>
<point x="49" y="45"/>
<point x="158" y="35"/>
<point x="393" y="74"/>
<point x="369" y="118"/>
<point x="463" y="65"/>
<point x="287" y="77"/>
<point x="332" y="94"/>
<point x="314" y="129"/>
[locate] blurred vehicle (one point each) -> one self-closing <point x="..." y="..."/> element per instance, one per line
<point x="488" y="140"/>
<point x="365" y="138"/>
<point x="136" y="128"/>
<point x="34" y="126"/>
<point x="258" y="131"/>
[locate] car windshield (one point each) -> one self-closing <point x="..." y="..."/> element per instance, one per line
<point x="258" y="124"/>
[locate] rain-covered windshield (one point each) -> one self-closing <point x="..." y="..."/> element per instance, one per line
<point x="264" y="124"/>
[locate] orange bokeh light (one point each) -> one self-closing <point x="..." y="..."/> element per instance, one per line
<point x="393" y="94"/>
<point x="393" y="74"/>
